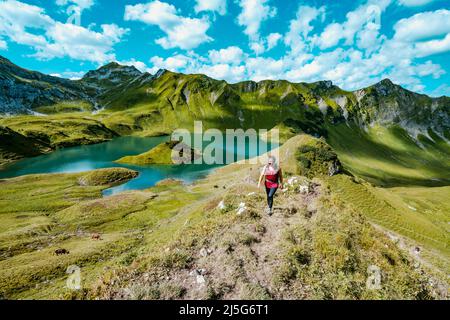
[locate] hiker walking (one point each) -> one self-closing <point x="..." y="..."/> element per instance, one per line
<point x="273" y="178"/>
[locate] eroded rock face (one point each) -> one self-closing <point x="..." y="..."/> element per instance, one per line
<point x="386" y="103"/>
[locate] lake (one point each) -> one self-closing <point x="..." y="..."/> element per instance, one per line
<point x="103" y="155"/>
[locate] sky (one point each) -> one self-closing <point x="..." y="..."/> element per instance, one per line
<point x="353" y="43"/>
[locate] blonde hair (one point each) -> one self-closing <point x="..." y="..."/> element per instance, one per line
<point x="274" y="163"/>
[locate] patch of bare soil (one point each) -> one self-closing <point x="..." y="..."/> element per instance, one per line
<point x="239" y="262"/>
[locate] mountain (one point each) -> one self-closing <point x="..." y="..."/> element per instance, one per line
<point x="22" y="90"/>
<point x="109" y="76"/>
<point x="400" y="136"/>
<point x="367" y="189"/>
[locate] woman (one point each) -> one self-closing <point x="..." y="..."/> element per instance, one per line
<point x="273" y="179"/>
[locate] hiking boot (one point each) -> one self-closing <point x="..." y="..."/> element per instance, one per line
<point x="267" y="210"/>
<point x="270" y="211"/>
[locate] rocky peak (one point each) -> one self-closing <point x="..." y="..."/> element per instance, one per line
<point x="160" y="73"/>
<point x="386" y="87"/>
<point x="113" y="72"/>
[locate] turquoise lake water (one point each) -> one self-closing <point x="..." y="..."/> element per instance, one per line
<point x="103" y="155"/>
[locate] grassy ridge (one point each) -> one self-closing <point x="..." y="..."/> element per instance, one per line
<point x="388" y="156"/>
<point x="150" y="240"/>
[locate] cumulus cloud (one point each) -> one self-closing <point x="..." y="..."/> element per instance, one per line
<point x="141" y="66"/>
<point x="3" y="45"/>
<point x="253" y="13"/>
<point x="224" y="71"/>
<point x="273" y="39"/>
<point x="219" y="6"/>
<point x="174" y="63"/>
<point x="80" y="43"/>
<point x="362" y="24"/>
<point x="230" y="55"/>
<point x="29" y="25"/>
<point x="353" y="53"/>
<point x="264" y="68"/>
<point x="423" y="25"/>
<point x="419" y="36"/>
<point x="181" y="32"/>
<point x="300" y="27"/>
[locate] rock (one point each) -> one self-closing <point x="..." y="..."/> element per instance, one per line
<point x="241" y="209"/>
<point x="203" y="252"/>
<point x="200" y="279"/>
<point x="293" y="180"/>
<point x="221" y="206"/>
<point x="199" y="275"/>
<point x="304" y="189"/>
<point x="333" y="169"/>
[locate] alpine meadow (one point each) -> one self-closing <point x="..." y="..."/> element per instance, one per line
<point x="93" y="206"/>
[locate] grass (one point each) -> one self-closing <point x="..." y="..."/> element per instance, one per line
<point x="62" y="130"/>
<point x="31" y="231"/>
<point x="388" y="156"/>
<point x="155" y="236"/>
<point x="65" y="107"/>
<point x="417" y="213"/>
<point x="163" y="153"/>
<point x="329" y="257"/>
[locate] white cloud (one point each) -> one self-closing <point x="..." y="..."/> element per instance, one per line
<point x="363" y="57"/>
<point x="315" y="69"/>
<point x="174" y="63"/>
<point x="300" y="27"/>
<point x="29" y="25"/>
<point x="16" y="17"/>
<point x="184" y="33"/>
<point x="273" y="39"/>
<point x="230" y="55"/>
<point x="423" y="25"/>
<point x="219" y="6"/>
<point x="428" y="48"/>
<point x="83" y="4"/>
<point x="363" y="24"/>
<point x="73" y="75"/>
<point x="414" y="3"/>
<point x="264" y="68"/>
<point x="253" y="13"/>
<point x="224" y="71"/>
<point x="141" y="66"/>
<point x="257" y="47"/>
<point x="80" y="43"/>
<point x="420" y="35"/>
<point x="3" y="45"/>
<point x="330" y="36"/>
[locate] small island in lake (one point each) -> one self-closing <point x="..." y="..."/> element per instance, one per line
<point x="162" y="154"/>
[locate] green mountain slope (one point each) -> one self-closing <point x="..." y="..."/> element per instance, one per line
<point x="154" y="244"/>
<point x="383" y="133"/>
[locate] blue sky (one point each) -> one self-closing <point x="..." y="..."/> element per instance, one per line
<point x="352" y="43"/>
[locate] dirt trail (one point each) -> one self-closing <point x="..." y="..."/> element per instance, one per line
<point x="240" y="262"/>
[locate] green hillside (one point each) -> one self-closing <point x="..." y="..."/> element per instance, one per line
<point x="375" y="164"/>
<point x="317" y="245"/>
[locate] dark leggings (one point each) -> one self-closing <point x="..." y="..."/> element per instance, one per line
<point x="270" y="193"/>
